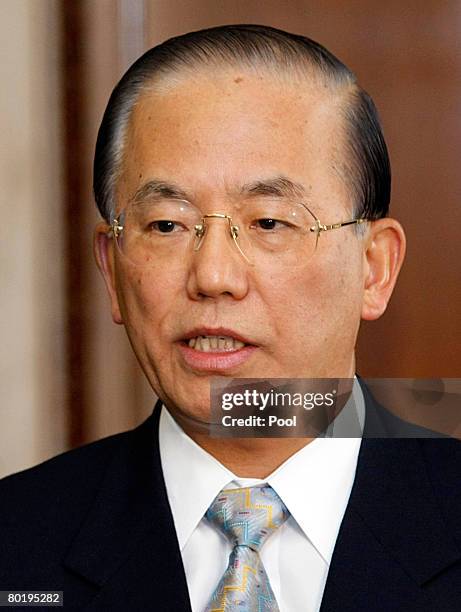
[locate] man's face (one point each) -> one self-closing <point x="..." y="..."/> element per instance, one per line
<point x="210" y="135"/>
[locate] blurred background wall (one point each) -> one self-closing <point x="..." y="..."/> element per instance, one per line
<point x="67" y="373"/>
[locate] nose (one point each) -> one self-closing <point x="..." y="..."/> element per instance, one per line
<point x="217" y="268"/>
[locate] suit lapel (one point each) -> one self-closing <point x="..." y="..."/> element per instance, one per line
<point x="392" y="538"/>
<point x="127" y="545"/>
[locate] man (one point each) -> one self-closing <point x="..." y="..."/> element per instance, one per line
<point x="244" y="182"/>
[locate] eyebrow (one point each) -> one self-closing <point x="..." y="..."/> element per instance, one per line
<point x="279" y="186"/>
<point x="157" y="188"/>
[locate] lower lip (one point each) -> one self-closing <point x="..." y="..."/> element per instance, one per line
<point x="215" y="361"/>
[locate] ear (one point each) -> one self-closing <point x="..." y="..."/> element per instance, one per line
<point x="103" y="247"/>
<point x="384" y="253"/>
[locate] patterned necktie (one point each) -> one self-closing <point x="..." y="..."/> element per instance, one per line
<point x="247" y="516"/>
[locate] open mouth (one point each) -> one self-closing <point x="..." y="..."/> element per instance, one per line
<point x="215" y="350"/>
<point x="215" y="344"/>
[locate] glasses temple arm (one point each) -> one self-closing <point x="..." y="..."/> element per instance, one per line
<point x="320" y="227"/>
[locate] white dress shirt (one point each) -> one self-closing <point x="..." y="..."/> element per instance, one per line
<point x="315" y="484"/>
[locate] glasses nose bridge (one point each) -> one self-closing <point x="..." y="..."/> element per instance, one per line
<point x="201" y="231"/>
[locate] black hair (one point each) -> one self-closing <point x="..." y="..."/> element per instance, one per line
<point x="366" y="157"/>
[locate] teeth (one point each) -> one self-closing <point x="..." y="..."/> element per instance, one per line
<point x="208" y="344"/>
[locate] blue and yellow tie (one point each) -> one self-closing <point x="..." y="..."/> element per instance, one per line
<point x="247" y="516"/>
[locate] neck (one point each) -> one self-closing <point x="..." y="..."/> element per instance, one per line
<point x="257" y="457"/>
<point x="251" y="457"/>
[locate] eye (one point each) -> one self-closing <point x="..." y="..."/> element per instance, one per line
<point x="269" y="224"/>
<point x="165" y="226"/>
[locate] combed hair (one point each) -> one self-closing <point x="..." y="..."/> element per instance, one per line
<point x="366" y="160"/>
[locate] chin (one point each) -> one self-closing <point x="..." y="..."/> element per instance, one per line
<point x="192" y="419"/>
<point x="194" y="403"/>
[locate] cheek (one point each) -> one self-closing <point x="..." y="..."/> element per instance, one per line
<point x="295" y="306"/>
<point x="321" y="301"/>
<point x="146" y="297"/>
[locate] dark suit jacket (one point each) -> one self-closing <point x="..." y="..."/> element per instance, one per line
<point x="96" y="524"/>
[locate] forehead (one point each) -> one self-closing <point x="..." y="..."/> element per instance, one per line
<point x="213" y="132"/>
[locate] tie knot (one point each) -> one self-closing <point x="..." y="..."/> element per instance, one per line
<point x="248" y="516"/>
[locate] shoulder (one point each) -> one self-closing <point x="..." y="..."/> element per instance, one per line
<point x="415" y="457"/>
<point x="443" y="463"/>
<point x="52" y="499"/>
<point x="44" y="508"/>
<point x="58" y="489"/>
<point x="383" y="420"/>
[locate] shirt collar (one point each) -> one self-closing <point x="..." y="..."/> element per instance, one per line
<point x="192" y="476"/>
<point x="314" y="483"/>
